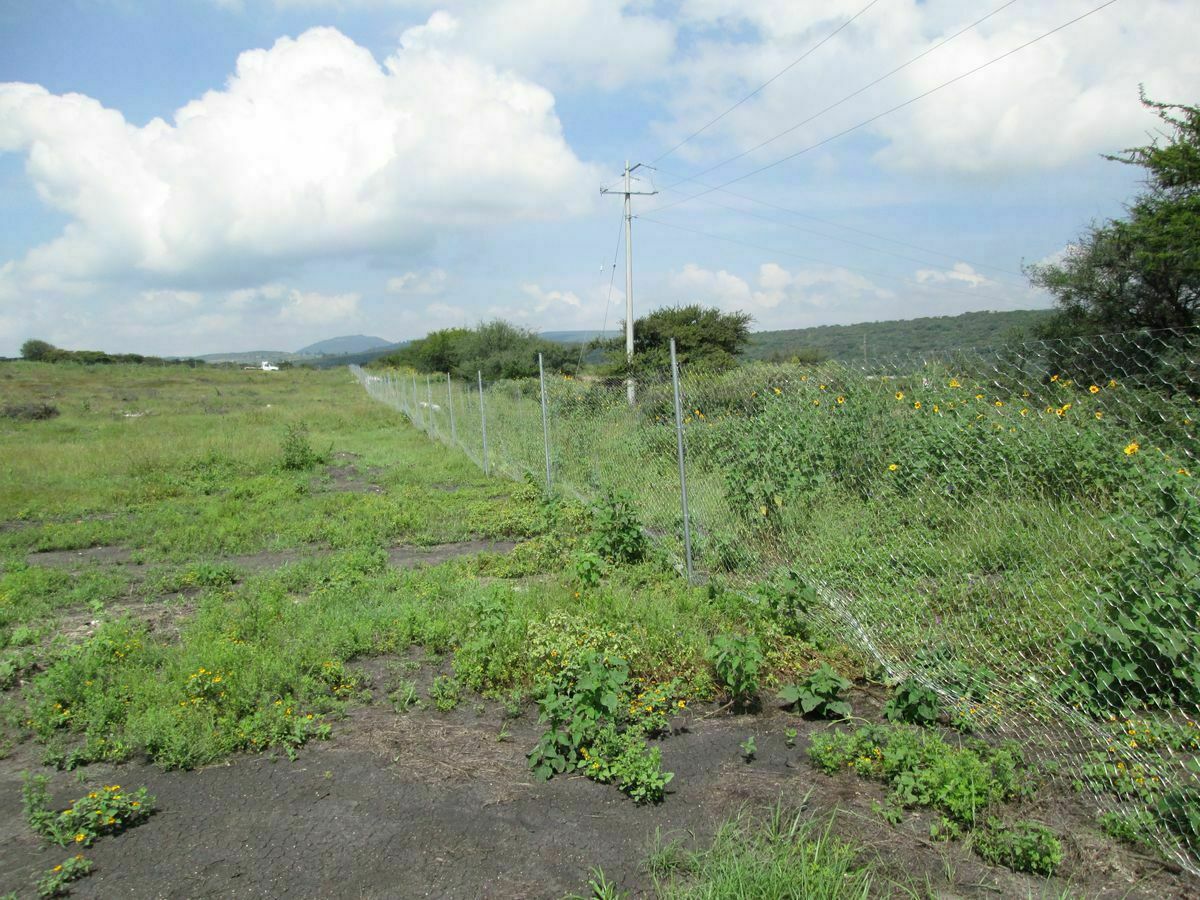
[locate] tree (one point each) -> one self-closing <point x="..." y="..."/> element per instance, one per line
<point x="1143" y="270"/>
<point x="705" y="338"/>
<point x="37" y="351"/>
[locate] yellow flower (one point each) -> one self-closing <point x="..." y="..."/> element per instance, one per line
<point x="1112" y="383"/>
<point x="893" y="467"/>
<point x="1053" y="378"/>
<point x="1132" y="448"/>
<point x="682" y="704"/>
<point x="954" y="382"/>
<point x="1183" y="472"/>
<point x="899" y="395"/>
<point x="979" y="396"/>
<point x="1093" y="390"/>
<point x="1025" y="412"/>
<point x="841" y="399"/>
<point x="79" y="838"/>
<point x="936" y="408"/>
<point x="999" y="402"/>
<point x="57" y="868"/>
<point x="821" y="386"/>
<point x="1099" y="415"/>
<point x="816" y="403"/>
<point x="777" y="390"/>
<point x="917" y="404"/>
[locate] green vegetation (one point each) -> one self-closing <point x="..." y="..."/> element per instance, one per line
<point x="737" y="660"/>
<point x="913" y="702"/>
<point x="819" y="695"/>
<point x="498" y="349"/>
<point x="35" y="350"/>
<point x="787" y="855"/>
<point x="107" y="810"/>
<point x="1143" y="270"/>
<point x="902" y="337"/>
<point x="54" y="882"/>
<point x="1022" y="847"/>
<point x="706" y="340"/>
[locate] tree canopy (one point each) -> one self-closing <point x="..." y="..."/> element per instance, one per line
<point x="705" y="338"/>
<point x="1142" y="270"/>
<point x="498" y="349"/>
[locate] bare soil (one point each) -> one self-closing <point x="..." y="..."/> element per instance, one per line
<point x="431" y="804"/>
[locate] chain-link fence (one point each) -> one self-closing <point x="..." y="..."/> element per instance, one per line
<point x="1016" y="529"/>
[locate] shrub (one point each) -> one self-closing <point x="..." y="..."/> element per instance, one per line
<point x="923" y="770"/>
<point x="1138" y="645"/>
<point x="914" y="703"/>
<point x="54" y="882"/>
<point x="298" y="454"/>
<point x="737" y="659"/>
<point x="108" y="810"/>
<point x="820" y="694"/>
<point x="1022" y="847"/>
<point x="616" y="532"/>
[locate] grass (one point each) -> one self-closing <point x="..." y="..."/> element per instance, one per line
<point x="277" y="584"/>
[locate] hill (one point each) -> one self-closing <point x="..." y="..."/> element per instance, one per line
<point x="341" y="346"/>
<point x="973" y="329"/>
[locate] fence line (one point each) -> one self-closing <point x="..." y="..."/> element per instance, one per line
<point x="1017" y="528"/>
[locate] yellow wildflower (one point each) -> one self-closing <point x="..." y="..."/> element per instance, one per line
<point x="899" y="395"/>
<point x="1093" y="390"/>
<point x="893" y="467"/>
<point x="1132" y="448"/>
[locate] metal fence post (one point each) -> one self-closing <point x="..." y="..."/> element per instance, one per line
<point x="429" y="405"/>
<point x="483" y="423"/>
<point x="417" y="405"/>
<point x="545" y="421"/>
<point x="450" y="406"/>
<point x="687" y="528"/>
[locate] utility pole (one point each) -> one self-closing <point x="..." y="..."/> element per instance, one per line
<point x="629" y="192"/>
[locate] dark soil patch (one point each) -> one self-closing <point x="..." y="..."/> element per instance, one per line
<point x="28" y="412"/>
<point x="78" y="559"/>
<point x="434" y="804"/>
<point x="346" y="480"/>
<point x="409" y="557"/>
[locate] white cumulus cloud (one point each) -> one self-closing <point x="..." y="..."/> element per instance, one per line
<point x="312" y="149"/>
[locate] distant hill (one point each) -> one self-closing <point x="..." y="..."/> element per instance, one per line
<point x="340" y="346"/>
<point x="351" y="359"/>
<point x="973" y="329"/>
<point x="577" y="337"/>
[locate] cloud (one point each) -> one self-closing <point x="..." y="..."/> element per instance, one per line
<point x="432" y="281"/>
<point x="592" y="43"/>
<point x="1063" y="99"/>
<point x="311" y="151"/>
<point x="961" y="273"/>
<point x="313" y="308"/>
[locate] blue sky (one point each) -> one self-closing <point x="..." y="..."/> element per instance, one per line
<point x="204" y="175"/>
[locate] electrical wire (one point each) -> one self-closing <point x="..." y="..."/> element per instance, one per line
<point x="607" y="303"/>
<point x="891" y="110"/>
<point x="773" y="78"/>
<point x="853" y="94"/>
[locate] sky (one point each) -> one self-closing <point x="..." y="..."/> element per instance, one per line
<point x="182" y="177"/>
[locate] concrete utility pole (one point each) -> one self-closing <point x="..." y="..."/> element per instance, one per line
<point x="629" y="192"/>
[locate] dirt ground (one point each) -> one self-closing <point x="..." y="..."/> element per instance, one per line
<point x="431" y="804"/>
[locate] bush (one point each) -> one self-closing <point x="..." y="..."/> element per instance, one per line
<point x="616" y="532"/>
<point x="1139" y="645"/>
<point x="820" y="694"/>
<point x="1022" y="847"/>
<point x="914" y="703"/>
<point x="298" y="454"/>
<point x="737" y="659"/>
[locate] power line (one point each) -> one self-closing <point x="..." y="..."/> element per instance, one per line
<point x="718" y="237"/>
<point x="832" y="237"/>
<point x="893" y="109"/>
<point x="608" y="302"/>
<point x="854" y="94"/>
<point x="774" y="77"/>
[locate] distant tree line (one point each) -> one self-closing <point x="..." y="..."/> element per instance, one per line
<point x="35" y="350"/>
<point x="497" y="349"/>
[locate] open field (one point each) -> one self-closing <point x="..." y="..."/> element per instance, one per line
<point x="322" y="643"/>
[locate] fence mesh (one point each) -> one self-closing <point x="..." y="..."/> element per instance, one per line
<point x="1016" y="529"/>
